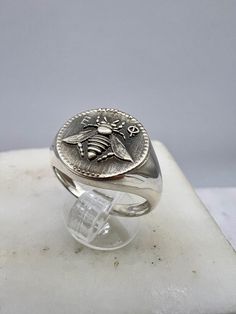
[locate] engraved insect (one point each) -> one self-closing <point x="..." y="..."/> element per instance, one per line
<point x="100" y="139"/>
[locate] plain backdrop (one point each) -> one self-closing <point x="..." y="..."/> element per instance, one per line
<point x="171" y="64"/>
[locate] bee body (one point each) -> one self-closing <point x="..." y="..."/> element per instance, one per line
<point x="97" y="144"/>
<point x="99" y="139"/>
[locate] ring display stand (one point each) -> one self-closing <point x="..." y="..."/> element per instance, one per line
<point x="90" y="223"/>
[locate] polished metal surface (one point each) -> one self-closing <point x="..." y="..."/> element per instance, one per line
<point x="108" y="149"/>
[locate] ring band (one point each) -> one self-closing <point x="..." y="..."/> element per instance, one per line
<point x="108" y="149"/>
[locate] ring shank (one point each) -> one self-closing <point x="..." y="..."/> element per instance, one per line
<point x="146" y="182"/>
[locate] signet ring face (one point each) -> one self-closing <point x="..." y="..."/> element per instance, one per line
<point x="108" y="149"/>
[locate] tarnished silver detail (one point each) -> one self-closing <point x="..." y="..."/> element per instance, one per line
<point x="123" y="154"/>
<point x="108" y="149"/>
<point x="133" y="130"/>
<point x="85" y="120"/>
<point x="99" y="141"/>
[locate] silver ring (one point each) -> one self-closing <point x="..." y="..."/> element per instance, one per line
<point x="108" y="149"/>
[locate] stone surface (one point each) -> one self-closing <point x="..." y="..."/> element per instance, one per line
<point x="221" y="203"/>
<point x="180" y="261"/>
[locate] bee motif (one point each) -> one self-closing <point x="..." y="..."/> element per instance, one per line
<point x="100" y="139"/>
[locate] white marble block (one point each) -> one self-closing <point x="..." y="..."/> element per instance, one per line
<point x="179" y="263"/>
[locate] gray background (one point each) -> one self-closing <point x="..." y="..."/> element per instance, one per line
<point x="172" y="64"/>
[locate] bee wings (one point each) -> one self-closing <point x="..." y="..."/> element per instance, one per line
<point x="116" y="145"/>
<point x="119" y="149"/>
<point x="79" y="138"/>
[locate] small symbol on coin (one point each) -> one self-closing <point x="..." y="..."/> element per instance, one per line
<point x="85" y="120"/>
<point x="101" y="138"/>
<point x="133" y="130"/>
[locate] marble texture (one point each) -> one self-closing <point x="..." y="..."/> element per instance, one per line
<point x="179" y="263"/>
<point x="221" y="203"/>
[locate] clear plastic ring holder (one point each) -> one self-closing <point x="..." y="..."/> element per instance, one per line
<point x="90" y="223"/>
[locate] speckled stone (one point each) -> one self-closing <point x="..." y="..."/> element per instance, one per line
<point x="179" y="263"/>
